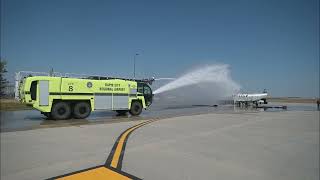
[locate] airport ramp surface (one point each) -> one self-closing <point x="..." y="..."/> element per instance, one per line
<point x="260" y="145"/>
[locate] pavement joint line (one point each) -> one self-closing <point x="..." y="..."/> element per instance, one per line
<point x="112" y="168"/>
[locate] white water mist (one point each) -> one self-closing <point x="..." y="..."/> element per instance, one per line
<point x="204" y="85"/>
<point x="216" y="77"/>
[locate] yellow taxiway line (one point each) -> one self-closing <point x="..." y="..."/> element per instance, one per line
<point x="112" y="168"/>
<point x="101" y="173"/>
<point x="123" y="138"/>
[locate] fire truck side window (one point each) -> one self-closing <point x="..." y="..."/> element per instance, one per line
<point x="33" y="90"/>
<point x="147" y="90"/>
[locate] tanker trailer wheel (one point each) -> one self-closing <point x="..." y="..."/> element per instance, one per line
<point x="81" y="110"/>
<point x="60" y="110"/>
<point x="136" y="108"/>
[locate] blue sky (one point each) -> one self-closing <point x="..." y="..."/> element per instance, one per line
<point x="271" y="44"/>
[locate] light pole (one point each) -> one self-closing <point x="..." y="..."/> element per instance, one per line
<point x="134" y="65"/>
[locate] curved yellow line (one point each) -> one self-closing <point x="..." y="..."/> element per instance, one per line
<point x="116" y="156"/>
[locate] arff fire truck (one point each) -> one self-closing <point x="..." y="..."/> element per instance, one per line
<point x="64" y="97"/>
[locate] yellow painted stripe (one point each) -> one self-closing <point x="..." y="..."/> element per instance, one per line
<point x="118" y="150"/>
<point x="100" y="173"/>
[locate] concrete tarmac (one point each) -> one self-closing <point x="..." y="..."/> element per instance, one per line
<point x="256" y="145"/>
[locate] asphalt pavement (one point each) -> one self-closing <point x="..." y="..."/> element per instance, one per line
<point x="246" y="145"/>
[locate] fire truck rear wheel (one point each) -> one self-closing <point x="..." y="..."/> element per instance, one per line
<point x="61" y="110"/>
<point x="81" y="110"/>
<point x="136" y="108"/>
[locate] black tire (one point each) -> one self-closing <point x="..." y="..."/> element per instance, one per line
<point x="122" y="112"/>
<point x="136" y="108"/>
<point x="81" y="110"/>
<point x="60" y="110"/>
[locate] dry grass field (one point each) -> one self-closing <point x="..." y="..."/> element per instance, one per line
<point x="292" y="100"/>
<point x="11" y="105"/>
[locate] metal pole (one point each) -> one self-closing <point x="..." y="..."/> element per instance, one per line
<point x="134" y="65"/>
<point x="16" y="89"/>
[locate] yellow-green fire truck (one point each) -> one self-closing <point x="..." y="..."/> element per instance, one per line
<point x="65" y="97"/>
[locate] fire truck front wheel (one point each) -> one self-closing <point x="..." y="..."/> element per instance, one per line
<point x="81" y="110"/>
<point x="136" y="108"/>
<point x="61" y="110"/>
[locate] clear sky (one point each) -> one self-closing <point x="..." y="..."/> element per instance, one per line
<point x="271" y="44"/>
